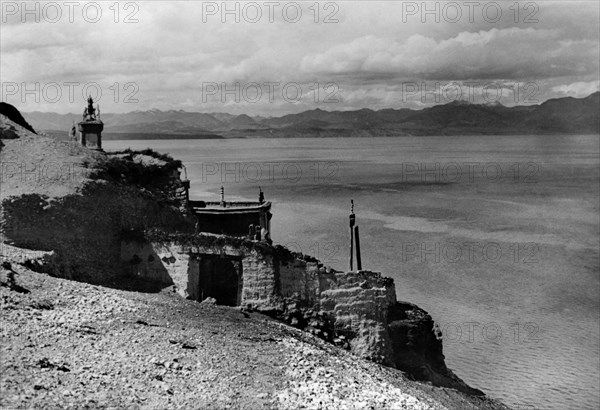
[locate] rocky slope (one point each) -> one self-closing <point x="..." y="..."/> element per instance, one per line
<point x="15" y="116"/>
<point x="66" y="344"/>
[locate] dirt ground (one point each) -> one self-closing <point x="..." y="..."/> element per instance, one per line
<point x="67" y="344"/>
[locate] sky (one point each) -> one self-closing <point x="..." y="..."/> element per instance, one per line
<point x="272" y="58"/>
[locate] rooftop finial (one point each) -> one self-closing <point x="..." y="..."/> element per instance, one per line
<point x="89" y="112"/>
<point x="222" y="196"/>
<point x="261" y="195"/>
<point x="352" y="206"/>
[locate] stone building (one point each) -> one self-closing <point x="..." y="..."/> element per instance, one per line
<point x="233" y="218"/>
<point x="356" y="309"/>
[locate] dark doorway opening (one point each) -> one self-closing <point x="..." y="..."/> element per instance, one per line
<point x="220" y="278"/>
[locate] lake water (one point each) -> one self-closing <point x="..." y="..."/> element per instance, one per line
<point x="497" y="237"/>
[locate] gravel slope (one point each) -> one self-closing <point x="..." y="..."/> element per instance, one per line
<point x="66" y="344"/>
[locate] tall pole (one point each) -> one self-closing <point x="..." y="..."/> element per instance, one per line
<point x="357" y="239"/>
<point x="352" y="221"/>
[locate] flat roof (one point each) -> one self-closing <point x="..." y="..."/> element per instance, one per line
<point x="213" y="207"/>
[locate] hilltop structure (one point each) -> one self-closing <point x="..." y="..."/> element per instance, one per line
<point x="90" y="128"/>
<point x="234" y="218"/>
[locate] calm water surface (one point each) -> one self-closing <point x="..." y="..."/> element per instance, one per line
<point x="496" y="237"/>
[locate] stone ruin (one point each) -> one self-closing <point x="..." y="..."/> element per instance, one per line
<point x="356" y="310"/>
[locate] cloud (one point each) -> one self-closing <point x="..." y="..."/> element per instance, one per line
<point x="508" y="53"/>
<point x="577" y="89"/>
<point x="174" y="48"/>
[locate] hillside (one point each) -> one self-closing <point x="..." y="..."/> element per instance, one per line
<point x="557" y="116"/>
<point x="62" y="196"/>
<point x="15" y="116"/>
<point x="70" y="344"/>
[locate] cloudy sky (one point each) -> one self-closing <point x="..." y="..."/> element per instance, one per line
<point x="278" y="57"/>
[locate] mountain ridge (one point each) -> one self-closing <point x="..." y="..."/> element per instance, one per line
<point x="554" y="116"/>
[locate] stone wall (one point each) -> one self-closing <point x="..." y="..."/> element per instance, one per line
<point x="357" y="310"/>
<point x="359" y="303"/>
<point x="304" y="288"/>
<point x="177" y="263"/>
<point x="261" y="282"/>
<point x="270" y="278"/>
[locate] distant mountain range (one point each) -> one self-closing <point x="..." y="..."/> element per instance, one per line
<point x="556" y="116"/>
